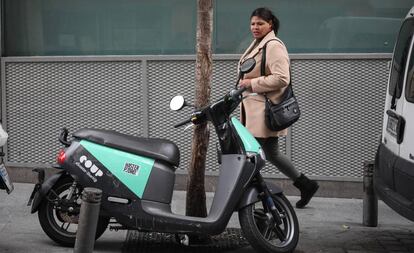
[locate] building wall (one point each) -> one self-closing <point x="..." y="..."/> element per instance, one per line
<point x="168" y="27"/>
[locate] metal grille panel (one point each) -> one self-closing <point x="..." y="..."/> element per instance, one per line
<point x="165" y="80"/>
<point x="342" y="106"/>
<point x="341" y="102"/>
<point x="42" y="97"/>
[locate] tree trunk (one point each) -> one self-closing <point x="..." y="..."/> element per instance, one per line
<point x="196" y="196"/>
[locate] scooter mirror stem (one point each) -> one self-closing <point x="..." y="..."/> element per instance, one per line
<point x="190" y="105"/>
<point x="238" y="79"/>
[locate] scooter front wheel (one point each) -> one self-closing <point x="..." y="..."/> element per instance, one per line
<point x="59" y="215"/>
<point x="260" y="229"/>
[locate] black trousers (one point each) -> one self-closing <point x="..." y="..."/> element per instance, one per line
<point x="270" y="147"/>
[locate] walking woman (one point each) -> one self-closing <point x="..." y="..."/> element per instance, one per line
<point x="264" y="27"/>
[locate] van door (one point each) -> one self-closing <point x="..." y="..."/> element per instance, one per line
<point x="393" y="121"/>
<point x="394" y="161"/>
<point x="393" y="128"/>
<point x="404" y="164"/>
<point x="407" y="144"/>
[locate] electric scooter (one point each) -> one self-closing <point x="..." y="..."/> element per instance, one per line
<point x="137" y="178"/>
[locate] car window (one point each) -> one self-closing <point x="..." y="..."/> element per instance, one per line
<point x="400" y="57"/>
<point x="409" y="90"/>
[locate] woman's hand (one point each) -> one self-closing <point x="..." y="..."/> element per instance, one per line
<point x="245" y="83"/>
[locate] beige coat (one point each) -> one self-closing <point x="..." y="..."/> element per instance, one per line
<point x="273" y="84"/>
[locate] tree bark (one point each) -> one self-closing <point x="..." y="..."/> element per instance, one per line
<point x="196" y="196"/>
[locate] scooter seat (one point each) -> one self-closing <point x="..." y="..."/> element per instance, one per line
<point x="159" y="149"/>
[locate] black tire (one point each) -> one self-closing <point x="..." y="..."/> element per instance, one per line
<point x="53" y="221"/>
<point x="258" y="226"/>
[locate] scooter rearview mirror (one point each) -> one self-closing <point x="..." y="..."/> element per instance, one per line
<point x="247" y="66"/>
<point x="177" y="103"/>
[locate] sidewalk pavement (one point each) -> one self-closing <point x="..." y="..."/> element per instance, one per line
<point x="329" y="225"/>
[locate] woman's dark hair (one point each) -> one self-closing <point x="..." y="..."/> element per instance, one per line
<point x="267" y="15"/>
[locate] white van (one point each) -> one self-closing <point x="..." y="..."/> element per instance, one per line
<point x="394" y="161"/>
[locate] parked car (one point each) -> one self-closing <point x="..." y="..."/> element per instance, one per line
<point x="394" y="161"/>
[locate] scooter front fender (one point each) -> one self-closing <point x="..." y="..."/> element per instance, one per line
<point x="251" y="195"/>
<point x="45" y="188"/>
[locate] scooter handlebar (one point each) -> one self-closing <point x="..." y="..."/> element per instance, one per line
<point x="235" y="94"/>
<point x="197" y="116"/>
<point x="182" y="123"/>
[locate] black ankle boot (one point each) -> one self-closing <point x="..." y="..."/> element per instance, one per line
<point x="307" y="189"/>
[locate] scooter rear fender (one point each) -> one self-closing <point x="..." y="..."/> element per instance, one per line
<point x="45" y="188"/>
<point x="251" y="195"/>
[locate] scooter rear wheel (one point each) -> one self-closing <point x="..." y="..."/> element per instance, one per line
<point x="259" y="227"/>
<point x="58" y="223"/>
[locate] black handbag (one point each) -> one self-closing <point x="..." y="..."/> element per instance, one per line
<point x="284" y="114"/>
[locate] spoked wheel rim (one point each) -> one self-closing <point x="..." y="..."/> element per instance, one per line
<point x="63" y="221"/>
<point x="267" y="226"/>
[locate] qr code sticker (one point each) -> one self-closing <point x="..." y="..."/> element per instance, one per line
<point x="131" y="168"/>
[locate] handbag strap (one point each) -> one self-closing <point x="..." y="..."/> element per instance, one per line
<point x="263" y="63"/>
<point x="263" y="68"/>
